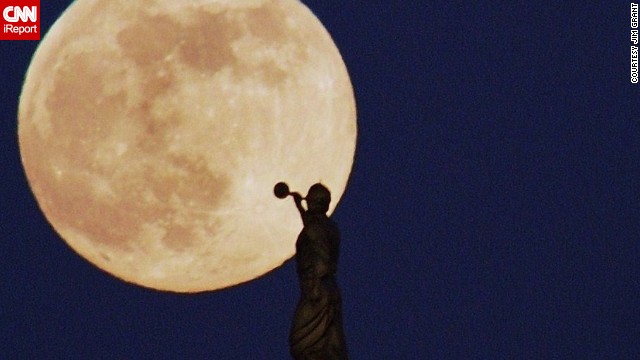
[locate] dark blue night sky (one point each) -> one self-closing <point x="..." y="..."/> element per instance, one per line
<point x="493" y="211"/>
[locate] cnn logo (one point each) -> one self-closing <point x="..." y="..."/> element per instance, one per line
<point x="20" y="20"/>
<point x="15" y="13"/>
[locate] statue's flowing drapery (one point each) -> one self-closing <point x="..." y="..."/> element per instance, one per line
<point x="316" y="332"/>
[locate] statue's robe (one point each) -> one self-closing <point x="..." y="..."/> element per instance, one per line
<point x="316" y="332"/>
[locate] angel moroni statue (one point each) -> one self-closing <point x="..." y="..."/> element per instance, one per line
<point x="316" y="331"/>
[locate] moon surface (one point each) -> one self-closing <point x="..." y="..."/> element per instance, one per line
<point x="152" y="133"/>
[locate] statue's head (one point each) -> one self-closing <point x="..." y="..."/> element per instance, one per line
<point x="318" y="198"/>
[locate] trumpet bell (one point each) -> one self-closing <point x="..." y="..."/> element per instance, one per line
<point x="281" y="190"/>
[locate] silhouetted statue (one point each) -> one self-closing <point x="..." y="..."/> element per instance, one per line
<point x="316" y="331"/>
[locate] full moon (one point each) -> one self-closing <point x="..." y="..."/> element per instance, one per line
<point x="152" y="133"/>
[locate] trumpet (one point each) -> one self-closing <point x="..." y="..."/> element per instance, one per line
<point x="281" y="190"/>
